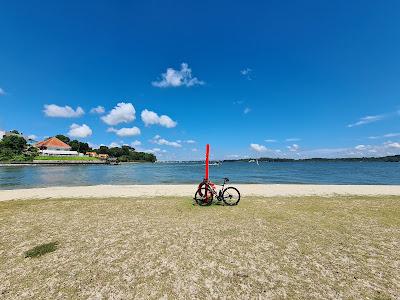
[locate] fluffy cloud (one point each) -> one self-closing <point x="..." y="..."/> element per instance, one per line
<point x="155" y="150"/>
<point x="246" y="110"/>
<point x="246" y="73"/>
<point x="79" y="131"/>
<point x="122" y="113"/>
<point x="392" y="145"/>
<point x="2" y="92"/>
<point x="125" y="131"/>
<point x="55" y="111"/>
<point x="152" y="118"/>
<point x="176" y="78"/>
<point x="388" y="135"/>
<point x="114" y="145"/>
<point x="258" y="148"/>
<point x="367" y="120"/>
<point x="293" y="148"/>
<point x="160" y="141"/>
<point x="360" y="147"/>
<point x="190" y="142"/>
<point x="97" y="110"/>
<point x="136" y="143"/>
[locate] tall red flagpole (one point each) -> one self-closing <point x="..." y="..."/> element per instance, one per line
<point x="207" y="158"/>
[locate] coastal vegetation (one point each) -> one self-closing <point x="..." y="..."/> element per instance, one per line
<point x="343" y="247"/>
<point x="14" y="147"/>
<point x="123" y="154"/>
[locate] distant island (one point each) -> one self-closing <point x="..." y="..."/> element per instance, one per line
<point x="16" y="148"/>
<point x="392" y="158"/>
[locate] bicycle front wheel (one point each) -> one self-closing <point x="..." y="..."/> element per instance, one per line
<point x="204" y="195"/>
<point x="231" y="196"/>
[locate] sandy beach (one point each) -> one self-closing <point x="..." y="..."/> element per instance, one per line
<point x="188" y="190"/>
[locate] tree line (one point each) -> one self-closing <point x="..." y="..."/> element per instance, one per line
<point x="391" y="158"/>
<point x="123" y="154"/>
<point x="14" y="147"/>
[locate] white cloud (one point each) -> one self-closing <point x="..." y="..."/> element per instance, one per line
<point x="391" y="135"/>
<point x="388" y="135"/>
<point x="114" y="145"/>
<point x="258" y="148"/>
<point x="387" y="148"/>
<point x="360" y="147"/>
<point x="194" y="150"/>
<point x="246" y="73"/>
<point x="160" y="141"/>
<point x="392" y="145"/>
<point x="246" y="110"/>
<point x="293" y="140"/>
<point x="238" y="102"/>
<point x="136" y="143"/>
<point x="293" y="148"/>
<point x="367" y="120"/>
<point x="55" y="111"/>
<point x="2" y="92"/>
<point x="98" y="110"/>
<point x="121" y="113"/>
<point x="270" y="141"/>
<point x="190" y="142"/>
<point x="176" y="78"/>
<point x="125" y="131"/>
<point x="80" y="131"/>
<point x="32" y="137"/>
<point x="155" y="150"/>
<point x="152" y="118"/>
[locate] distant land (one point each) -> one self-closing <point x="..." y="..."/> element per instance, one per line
<point x="393" y="158"/>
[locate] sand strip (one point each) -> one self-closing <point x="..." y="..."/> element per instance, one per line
<point x="188" y="190"/>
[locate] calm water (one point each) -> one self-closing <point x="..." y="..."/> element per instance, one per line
<point x="170" y="173"/>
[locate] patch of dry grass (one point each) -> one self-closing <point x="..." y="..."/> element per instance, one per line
<point x="301" y="247"/>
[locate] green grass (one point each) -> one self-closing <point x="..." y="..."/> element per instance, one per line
<point x="150" y="248"/>
<point x="41" y="249"/>
<point x="78" y="158"/>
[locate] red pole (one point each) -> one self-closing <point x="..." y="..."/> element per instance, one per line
<point x="207" y="157"/>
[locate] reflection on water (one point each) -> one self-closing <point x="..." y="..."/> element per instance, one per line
<point x="239" y="172"/>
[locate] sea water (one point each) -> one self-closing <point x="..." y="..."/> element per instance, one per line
<point x="14" y="177"/>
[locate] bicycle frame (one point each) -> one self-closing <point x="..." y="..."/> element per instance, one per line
<point x="214" y="190"/>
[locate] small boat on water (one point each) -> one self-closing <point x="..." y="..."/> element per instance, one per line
<point x="217" y="163"/>
<point x="254" y="161"/>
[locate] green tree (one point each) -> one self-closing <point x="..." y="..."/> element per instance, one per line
<point x="14" y="143"/>
<point x="79" y="146"/>
<point x="63" y="138"/>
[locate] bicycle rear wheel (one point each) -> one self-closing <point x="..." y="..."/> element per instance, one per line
<point x="204" y="195"/>
<point x="231" y="196"/>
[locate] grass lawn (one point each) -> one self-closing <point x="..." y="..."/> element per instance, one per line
<point x="295" y="248"/>
<point x="80" y="158"/>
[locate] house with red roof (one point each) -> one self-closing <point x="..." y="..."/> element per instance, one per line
<point x="55" y="147"/>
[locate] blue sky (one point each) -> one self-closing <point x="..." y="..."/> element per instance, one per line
<point x="252" y="78"/>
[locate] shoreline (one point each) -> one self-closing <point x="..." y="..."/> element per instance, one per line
<point x="188" y="190"/>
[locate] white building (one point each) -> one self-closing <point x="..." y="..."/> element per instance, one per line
<point x="55" y="147"/>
